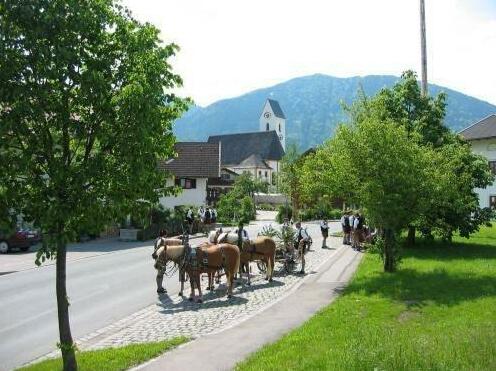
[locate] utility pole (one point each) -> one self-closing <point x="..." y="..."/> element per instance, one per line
<point x="423" y="50"/>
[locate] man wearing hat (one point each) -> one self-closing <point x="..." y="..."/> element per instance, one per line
<point x="301" y="238"/>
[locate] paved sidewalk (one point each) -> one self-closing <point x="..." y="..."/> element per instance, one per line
<point x="222" y="350"/>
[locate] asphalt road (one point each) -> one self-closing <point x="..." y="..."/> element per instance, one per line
<point x="106" y="281"/>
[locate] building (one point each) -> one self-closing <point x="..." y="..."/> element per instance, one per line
<point x="273" y="118"/>
<point x="482" y="138"/>
<point x="257" y="153"/>
<point x="194" y="163"/>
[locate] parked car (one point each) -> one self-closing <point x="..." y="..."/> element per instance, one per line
<point x="16" y="240"/>
<point x="34" y="236"/>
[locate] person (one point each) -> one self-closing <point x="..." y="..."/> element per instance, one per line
<point x="160" y="269"/>
<point x="214" y="215"/>
<point x="208" y="215"/>
<point x="190" y="220"/>
<point x="285" y="223"/>
<point x="301" y="238"/>
<point x="201" y="214"/>
<point x="357" y="231"/>
<point x="345" y="224"/>
<point x="324" y="228"/>
<point x="243" y="233"/>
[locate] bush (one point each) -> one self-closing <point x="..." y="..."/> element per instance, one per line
<point x="320" y="212"/>
<point x="284" y="211"/>
<point x="232" y="209"/>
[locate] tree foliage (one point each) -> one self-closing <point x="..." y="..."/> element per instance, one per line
<point x="237" y="205"/>
<point x="85" y="111"/>
<point x="398" y="161"/>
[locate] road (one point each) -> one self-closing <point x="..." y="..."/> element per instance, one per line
<point x="106" y="281"/>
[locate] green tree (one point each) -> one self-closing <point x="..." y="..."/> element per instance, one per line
<point x="423" y="119"/>
<point x="454" y="175"/>
<point x="289" y="177"/>
<point x="238" y="205"/>
<point x="376" y="165"/>
<point x="85" y="113"/>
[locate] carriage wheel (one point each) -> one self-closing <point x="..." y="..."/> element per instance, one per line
<point x="262" y="267"/>
<point x="293" y="265"/>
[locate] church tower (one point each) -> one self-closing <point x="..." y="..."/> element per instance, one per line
<point x="272" y="118"/>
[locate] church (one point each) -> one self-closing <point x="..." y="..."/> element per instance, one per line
<point x="257" y="153"/>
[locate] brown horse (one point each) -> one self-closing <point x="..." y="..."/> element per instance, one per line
<point x="208" y="259"/>
<point x="260" y="249"/>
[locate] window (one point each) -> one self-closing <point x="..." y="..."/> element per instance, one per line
<point x="279" y="128"/>
<point x="267" y="126"/>
<point x="259" y="173"/>
<point x="266" y="173"/>
<point x="225" y="176"/>
<point x="492" y="165"/>
<point x="185" y="183"/>
<point x="492" y="202"/>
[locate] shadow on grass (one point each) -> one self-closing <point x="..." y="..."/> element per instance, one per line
<point x="449" y="280"/>
<point x="443" y="251"/>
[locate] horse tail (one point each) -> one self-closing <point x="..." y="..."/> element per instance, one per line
<point x="238" y="261"/>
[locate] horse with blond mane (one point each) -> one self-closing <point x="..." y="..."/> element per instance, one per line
<point x="201" y="259"/>
<point x="261" y="248"/>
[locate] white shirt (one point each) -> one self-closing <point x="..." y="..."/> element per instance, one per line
<point x="190" y="214"/>
<point x="356" y="221"/>
<point x="352" y="220"/>
<point x="301" y="232"/>
<point x="324" y="225"/>
<point x="244" y="234"/>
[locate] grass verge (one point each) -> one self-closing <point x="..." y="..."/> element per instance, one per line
<point x="110" y="359"/>
<point x="438" y="312"/>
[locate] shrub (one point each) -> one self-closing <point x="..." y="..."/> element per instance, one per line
<point x="284" y="211"/>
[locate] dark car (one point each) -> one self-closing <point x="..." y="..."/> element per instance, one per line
<point x="16" y="240"/>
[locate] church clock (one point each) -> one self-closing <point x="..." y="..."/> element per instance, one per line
<point x="267" y="115"/>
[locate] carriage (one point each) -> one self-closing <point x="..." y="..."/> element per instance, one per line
<point x="289" y="258"/>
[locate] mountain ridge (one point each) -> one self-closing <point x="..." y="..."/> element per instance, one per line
<point x="312" y="105"/>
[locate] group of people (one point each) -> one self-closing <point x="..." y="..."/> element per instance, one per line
<point x="206" y="215"/>
<point x="355" y="232"/>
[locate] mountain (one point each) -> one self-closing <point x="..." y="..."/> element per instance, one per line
<point x="312" y="105"/>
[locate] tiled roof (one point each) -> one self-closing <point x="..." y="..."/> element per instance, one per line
<point x="237" y="147"/>
<point x="194" y="159"/>
<point x="485" y="128"/>
<point x="276" y="108"/>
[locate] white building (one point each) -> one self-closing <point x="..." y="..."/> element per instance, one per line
<point x="482" y="138"/>
<point x="273" y="118"/>
<point x="194" y="163"/>
<point x="258" y="153"/>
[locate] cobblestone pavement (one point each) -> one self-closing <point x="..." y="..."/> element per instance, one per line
<point x="175" y="316"/>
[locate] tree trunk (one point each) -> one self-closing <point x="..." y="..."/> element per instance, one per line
<point x="66" y="342"/>
<point x="410" y="240"/>
<point x="389" y="258"/>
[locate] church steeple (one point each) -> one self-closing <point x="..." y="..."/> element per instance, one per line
<point x="273" y="118"/>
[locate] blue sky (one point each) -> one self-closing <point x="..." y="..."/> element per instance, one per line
<point x="232" y="47"/>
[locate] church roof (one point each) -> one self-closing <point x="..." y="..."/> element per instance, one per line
<point x="254" y="160"/>
<point x="276" y="108"/>
<point x="483" y="129"/>
<point x="237" y="147"/>
<point x="194" y="159"/>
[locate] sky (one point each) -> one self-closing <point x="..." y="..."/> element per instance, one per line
<point x="231" y="47"/>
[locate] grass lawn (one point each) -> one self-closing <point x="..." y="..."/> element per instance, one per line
<point x="112" y="358"/>
<point x="438" y="312"/>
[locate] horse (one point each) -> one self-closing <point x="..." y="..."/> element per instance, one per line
<point x="261" y="248"/>
<point x="208" y="259"/>
<point x="162" y="241"/>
